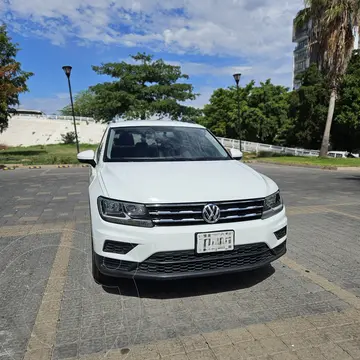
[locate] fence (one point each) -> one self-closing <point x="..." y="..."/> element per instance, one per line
<point x="248" y="146"/>
<point x="57" y="117"/>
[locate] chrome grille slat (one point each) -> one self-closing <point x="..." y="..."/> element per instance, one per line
<point x="191" y="213"/>
<point x="239" y="216"/>
<point x="164" y="221"/>
<point x="240" y="209"/>
<point x="184" y="212"/>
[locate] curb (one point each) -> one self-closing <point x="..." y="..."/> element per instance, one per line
<point x="51" y="166"/>
<point x="325" y="167"/>
<point x="67" y="166"/>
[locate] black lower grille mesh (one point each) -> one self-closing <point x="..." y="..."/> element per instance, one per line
<point x="114" y="264"/>
<point x="117" y="247"/>
<point x="281" y="233"/>
<point x="189" y="255"/>
<point x="212" y="264"/>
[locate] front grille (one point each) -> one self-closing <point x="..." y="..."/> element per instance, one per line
<point x="281" y="233"/>
<point x="191" y="214"/>
<point x="117" y="247"/>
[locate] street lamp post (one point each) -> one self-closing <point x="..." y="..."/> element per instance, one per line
<point x="237" y="80"/>
<point x="67" y="71"/>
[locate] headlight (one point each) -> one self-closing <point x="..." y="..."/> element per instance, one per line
<point x="125" y="213"/>
<point x="273" y="204"/>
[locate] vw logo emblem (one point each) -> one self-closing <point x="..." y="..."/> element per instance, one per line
<point x="211" y="213"/>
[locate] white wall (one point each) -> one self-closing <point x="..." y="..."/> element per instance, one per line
<point x="29" y="130"/>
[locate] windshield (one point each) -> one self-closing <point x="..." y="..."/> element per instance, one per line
<point x="163" y="143"/>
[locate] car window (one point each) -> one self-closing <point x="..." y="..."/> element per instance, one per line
<point x="163" y="143"/>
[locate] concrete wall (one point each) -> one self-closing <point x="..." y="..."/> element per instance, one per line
<point x="29" y="130"/>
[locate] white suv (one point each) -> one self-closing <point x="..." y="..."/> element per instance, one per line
<point x="168" y="201"/>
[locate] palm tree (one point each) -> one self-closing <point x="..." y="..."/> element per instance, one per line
<point x="332" y="39"/>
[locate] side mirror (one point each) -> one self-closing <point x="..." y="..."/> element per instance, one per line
<point x="236" y="154"/>
<point x="87" y="157"/>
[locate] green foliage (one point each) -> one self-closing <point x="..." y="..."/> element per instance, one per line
<point x="263" y="112"/>
<point x="332" y="40"/>
<point x="308" y="110"/>
<point x="270" y="119"/>
<point x="220" y="114"/>
<point x="83" y="105"/>
<point x="142" y="90"/>
<point x="346" y="133"/>
<point x="42" y="154"/>
<point x="12" y="78"/>
<point x="313" y="161"/>
<point x="68" y="138"/>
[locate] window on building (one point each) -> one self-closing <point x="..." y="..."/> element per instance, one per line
<point x="300" y="66"/>
<point x="301" y="56"/>
<point x="302" y="44"/>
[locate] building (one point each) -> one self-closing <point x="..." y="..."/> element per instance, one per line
<point x="304" y="55"/>
<point x="26" y="112"/>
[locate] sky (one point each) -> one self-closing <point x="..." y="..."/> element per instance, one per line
<point x="210" y="39"/>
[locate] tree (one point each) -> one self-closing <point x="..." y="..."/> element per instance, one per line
<point x="263" y="112"/>
<point x="271" y="103"/>
<point x="12" y="78"/>
<point x="142" y="90"/>
<point x="220" y="115"/>
<point x="347" y="117"/>
<point x="332" y="34"/>
<point x="83" y="105"/>
<point x="308" y="110"/>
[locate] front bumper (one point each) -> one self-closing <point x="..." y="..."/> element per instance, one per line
<point x="186" y="264"/>
<point x="168" y="252"/>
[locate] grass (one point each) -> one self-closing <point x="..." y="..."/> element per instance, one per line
<point x="304" y="160"/>
<point x="66" y="154"/>
<point x="42" y="154"/>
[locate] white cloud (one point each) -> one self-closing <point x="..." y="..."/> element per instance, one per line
<point x="228" y="27"/>
<point x="256" y="31"/>
<point x="198" y="68"/>
<point x="194" y="68"/>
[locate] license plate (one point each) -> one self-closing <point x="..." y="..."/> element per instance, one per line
<point x="215" y="241"/>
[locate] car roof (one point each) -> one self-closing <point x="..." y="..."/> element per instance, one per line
<point x="170" y="123"/>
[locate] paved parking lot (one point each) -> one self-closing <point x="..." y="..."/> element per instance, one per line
<point x="306" y="306"/>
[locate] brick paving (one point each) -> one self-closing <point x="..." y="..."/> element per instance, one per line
<point x="297" y="338"/>
<point x="304" y="307"/>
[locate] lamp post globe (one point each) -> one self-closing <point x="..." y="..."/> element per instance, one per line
<point x="67" y="70"/>
<point x="237" y="78"/>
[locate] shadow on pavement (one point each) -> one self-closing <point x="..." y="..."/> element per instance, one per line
<point x="352" y="177"/>
<point x="189" y="287"/>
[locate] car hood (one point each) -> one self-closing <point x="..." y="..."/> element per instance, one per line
<point x="179" y="182"/>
